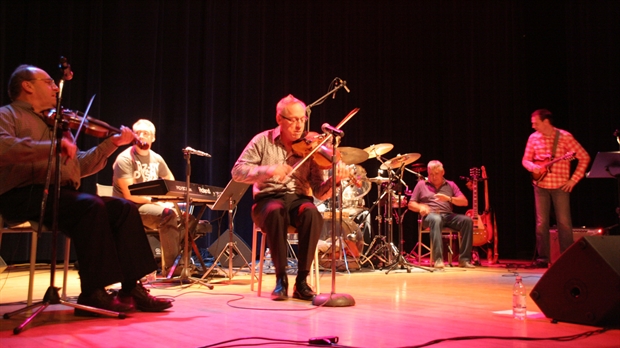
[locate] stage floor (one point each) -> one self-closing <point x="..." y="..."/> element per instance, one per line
<point x="391" y="310"/>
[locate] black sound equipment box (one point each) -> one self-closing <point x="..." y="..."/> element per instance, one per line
<point x="583" y="286"/>
<point x="578" y="232"/>
<point x="222" y="243"/>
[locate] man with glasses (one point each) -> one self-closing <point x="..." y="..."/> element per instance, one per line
<point x="107" y="232"/>
<point x="433" y="200"/>
<point x="283" y="197"/>
<point x="140" y="163"/>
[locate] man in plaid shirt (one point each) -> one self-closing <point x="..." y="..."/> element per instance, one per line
<point x="556" y="182"/>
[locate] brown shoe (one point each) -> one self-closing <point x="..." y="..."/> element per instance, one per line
<point x="102" y="300"/>
<point x="466" y="264"/>
<point x="142" y="300"/>
<point x="439" y="264"/>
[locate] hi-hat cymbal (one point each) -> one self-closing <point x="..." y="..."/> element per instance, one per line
<point x="378" y="149"/>
<point x="400" y="160"/>
<point x="378" y="180"/>
<point x="352" y="155"/>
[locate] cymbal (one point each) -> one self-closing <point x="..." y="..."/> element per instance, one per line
<point x="352" y="155"/>
<point x="400" y="160"/>
<point x="378" y="149"/>
<point x="418" y="167"/>
<point x="378" y="180"/>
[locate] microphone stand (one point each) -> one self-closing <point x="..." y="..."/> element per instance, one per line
<point x="343" y="84"/>
<point x="333" y="299"/>
<point x="52" y="296"/>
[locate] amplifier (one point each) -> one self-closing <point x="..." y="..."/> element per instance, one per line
<point x="578" y="232"/>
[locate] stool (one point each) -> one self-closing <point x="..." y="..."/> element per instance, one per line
<point x="444" y="231"/>
<point x="314" y="268"/>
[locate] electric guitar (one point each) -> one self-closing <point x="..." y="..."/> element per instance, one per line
<point x="547" y="163"/>
<point x="490" y="224"/>
<point x="480" y="234"/>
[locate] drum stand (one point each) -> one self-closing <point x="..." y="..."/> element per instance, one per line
<point x="378" y="246"/>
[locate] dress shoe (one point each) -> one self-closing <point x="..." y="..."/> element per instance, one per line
<point x="102" y="300"/>
<point x="439" y="264"/>
<point x="142" y="300"/>
<point x="280" y="293"/>
<point x="466" y="264"/>
<point x="303" y="291"/>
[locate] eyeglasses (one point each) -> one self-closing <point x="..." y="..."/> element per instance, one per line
<point x="49" y="81"/>
<point x="295" y="119"/>
<point x="144" y="133"/>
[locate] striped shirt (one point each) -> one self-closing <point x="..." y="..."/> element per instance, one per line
<point x="539" y="147"/>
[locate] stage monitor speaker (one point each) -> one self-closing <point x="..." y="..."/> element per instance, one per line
<point x="222" y="242"/>
<point x="583" y="286"/>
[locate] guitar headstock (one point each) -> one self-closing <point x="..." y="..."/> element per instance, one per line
<point x="474" y="173"/>
<point x="484" y="172"/>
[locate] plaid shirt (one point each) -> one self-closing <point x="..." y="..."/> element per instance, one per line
<point x="539" y="148"/>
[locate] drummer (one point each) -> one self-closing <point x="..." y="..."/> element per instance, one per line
<point x="433" y="199"/>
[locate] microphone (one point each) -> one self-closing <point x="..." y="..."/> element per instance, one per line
<point x="65" y="67"/>
<point x="337" y="79"/>
<point x="326" y="128"/>
<point x="191" y="151"/>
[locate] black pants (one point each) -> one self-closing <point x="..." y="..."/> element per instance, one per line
<point x="107" y="232"/>
<point x="274" y="214"/>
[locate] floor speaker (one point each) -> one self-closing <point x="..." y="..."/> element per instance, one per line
<point x="222" y="243"/>
<point x="2" y="265"/>
<point x="583" y="285"/>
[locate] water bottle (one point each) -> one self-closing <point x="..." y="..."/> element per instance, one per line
<point x="518" y="299"/>
<point x="267" y="263"/>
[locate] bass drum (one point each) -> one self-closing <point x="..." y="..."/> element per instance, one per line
<point x="348" y="230"/>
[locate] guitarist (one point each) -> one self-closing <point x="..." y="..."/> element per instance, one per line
<point x="545" y="144"/>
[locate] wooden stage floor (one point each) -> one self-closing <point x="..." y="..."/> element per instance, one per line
<point x="398" y="309"/>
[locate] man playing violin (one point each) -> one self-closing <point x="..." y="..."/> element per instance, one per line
<point x="107" y="232"/>
<point x="283" y="197"/>
<point x="140" y="164"/>
<point x="548" y="141"/>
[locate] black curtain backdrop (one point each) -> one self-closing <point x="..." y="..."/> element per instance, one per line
<point x="451" y="80"/>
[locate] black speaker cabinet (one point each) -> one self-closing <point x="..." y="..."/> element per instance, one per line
<point x="222" y="243"/>
<point x="583" y="286"/>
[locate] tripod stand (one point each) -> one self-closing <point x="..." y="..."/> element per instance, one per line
<point x="52" y="296"/>
<point x="228" y="200"/>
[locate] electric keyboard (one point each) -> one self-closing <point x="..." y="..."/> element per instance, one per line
<point x="170" y="190"/>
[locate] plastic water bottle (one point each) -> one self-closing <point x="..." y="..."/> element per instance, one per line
<point x="518" y="300"/>
<point x="267" y="263"/>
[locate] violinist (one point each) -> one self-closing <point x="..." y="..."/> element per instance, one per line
<point x="107" y="232"/>
<point x="137" y="164"/>
<point x="283" y="197"/>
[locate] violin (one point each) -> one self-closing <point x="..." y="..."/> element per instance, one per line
<point x="308" y="142"/>
<point x="91" y="126"/>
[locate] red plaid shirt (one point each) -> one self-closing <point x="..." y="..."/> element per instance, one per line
<point x="539" y="148"/>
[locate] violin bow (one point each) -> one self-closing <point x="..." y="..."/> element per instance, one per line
<point x="84" y="118"/>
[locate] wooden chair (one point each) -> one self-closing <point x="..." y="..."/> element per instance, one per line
<point x="445" y="232"/>
<point x="314" y="269"/>
<point x="32" y="228"/>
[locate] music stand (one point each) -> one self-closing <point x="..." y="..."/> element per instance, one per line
<point x="228" y="200"/>
<point x="607" y="165"/>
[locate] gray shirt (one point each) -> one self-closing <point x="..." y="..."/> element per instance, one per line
<point x="24" y="151"/>
<point x="266" y="150"/>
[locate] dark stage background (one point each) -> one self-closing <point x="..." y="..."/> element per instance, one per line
<point x="451" y="80"/>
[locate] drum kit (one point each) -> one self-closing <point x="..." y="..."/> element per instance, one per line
<point x="354" y="237"/>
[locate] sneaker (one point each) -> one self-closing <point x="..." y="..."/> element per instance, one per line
<point x="142" y="300"/>
<point x="466" y="264"/>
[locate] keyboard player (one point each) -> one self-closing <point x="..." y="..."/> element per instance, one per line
<point x="139" y="164"/>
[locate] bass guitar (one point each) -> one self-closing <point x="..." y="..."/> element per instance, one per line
<point x="545" y="164"/>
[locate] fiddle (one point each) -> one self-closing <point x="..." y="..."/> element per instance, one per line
<point x="91" y="126"/>
<point x="307" y="145"/>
